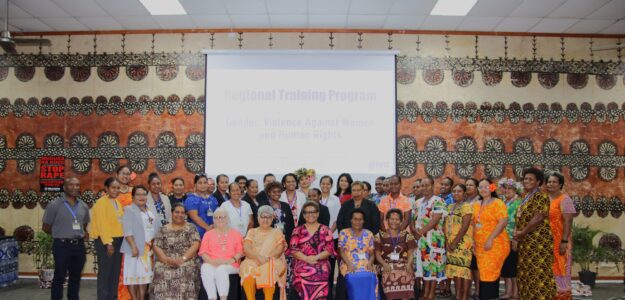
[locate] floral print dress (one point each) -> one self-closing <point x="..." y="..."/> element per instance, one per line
<point x="430" y="252"/>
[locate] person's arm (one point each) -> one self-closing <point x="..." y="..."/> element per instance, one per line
<point x="131" y="241"/>
<point x="160" y="256"/>
<point x="466" y="222"/>
<point x="381" y="218"/>
<point x="381" y="262"/>
<point x="189" y="254"/>
<point x="193" y="215"/>
<point x="433" y="222"/>
<point x="250" y="223"/>
<point x="47" y="228"/>
<point x="531" y="226"/>
<point x="277" y="251"/>
<point x="347" y="259"/>
<point x="406" y="221"/>
<point x="567" y="221"/>
<point x="501" y="225"/>
<point x="103" y="229"/>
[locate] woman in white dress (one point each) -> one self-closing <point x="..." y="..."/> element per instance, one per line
<point x="140" y="226"/>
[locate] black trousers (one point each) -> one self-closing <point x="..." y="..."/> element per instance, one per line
<point x="68" y="258"/>
<point x="109" y="268"/>
<point x="489" y="290"/>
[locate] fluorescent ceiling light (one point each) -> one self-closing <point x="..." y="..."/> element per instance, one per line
<point x="163" y="7"/>
<point x="452" y="7"/>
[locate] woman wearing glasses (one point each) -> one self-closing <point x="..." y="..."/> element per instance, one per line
<point x="264" y="265"/>
<point x="311" y="246"/>
<point x="221" y="250"/>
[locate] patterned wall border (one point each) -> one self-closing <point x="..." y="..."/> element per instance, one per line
<point x="514" y="112"/>
<point x="585" y="205"/>
<point x="466" y="157"/>
<point x="107" y="151"/>
<point x="102" y="105"/>
<point x="410" y="111"/>
<point x="80" y="149"/>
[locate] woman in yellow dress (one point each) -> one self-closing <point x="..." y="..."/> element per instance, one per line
<point x="459" y="234"/>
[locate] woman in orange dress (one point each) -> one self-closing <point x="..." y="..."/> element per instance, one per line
<point x="491" y="242"/>
<point x="561" y="211"/>
<point x="125" y="199"/>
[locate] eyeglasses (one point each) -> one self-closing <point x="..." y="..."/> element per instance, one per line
<point x="267" y="217"/>
<point x="220" y="217"/>
<point x="310" y="212"/>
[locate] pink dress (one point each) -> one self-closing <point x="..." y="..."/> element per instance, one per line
<point x="311" y="281"/>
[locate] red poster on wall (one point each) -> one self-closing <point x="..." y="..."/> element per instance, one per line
<point x="51" y="173"/>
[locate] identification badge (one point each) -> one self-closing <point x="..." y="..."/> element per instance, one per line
<point x="209" y="213"/>
<point x="362" y="256"/>
<point x="280" y="226"/>
<point x="394" y="256"/>
<point x="241" y="225"/>
<point x="478" y="225"/>
<point x="75" y="225"/>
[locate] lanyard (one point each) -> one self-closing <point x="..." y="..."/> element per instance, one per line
<point x="394" y="241"/>
<point x="71" y="210"/>
<point x="293" y="202"/>
<point x="239" y="210"/>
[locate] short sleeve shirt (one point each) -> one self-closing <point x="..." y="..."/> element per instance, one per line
<point x="60" y="215"/>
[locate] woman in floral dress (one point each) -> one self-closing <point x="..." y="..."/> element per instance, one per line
<point x="428" y="229"/>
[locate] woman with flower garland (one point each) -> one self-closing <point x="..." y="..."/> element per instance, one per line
<point x="510" y="190"/>
<point x="305" y="178"/>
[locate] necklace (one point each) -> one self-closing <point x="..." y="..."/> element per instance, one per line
<point x="222" y="240"/>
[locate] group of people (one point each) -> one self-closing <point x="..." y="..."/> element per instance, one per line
<point x="285" y="241"/>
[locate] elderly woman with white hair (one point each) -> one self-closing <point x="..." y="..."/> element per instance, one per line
<point x="264" y="265"/>
<point x="221" y="250"/>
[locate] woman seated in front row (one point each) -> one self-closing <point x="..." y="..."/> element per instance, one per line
<point x="264" y="263"/>
<point x="221" y="250"/>
<point x="357" y="256"/>
<point x="393" y="251"/>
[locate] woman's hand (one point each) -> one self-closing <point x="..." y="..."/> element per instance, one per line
<point x="135" y="251"/>
<point x="262" y="260"/>
<point x="514" y="245"/>
<point x="110" y="250"/>
<point x="387" y="268"/>
<point x="312" y="259"/>
<point x="452" y="246"/>
<point x="563" y="248"/>
<point x="518" y="235"/>
<point x="350" y="268"/>
<point x="488" y="245"/>
<point x="409" y="268"/>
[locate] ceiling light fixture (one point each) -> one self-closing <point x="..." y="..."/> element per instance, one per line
<point x="452" y="7"/>
<point x="163" y="7"/>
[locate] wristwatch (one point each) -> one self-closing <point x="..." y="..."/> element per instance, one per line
<point x="184" y="258"/>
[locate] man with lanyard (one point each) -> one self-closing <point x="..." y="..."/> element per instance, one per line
<point x="446" y="184"/>
<point x="395" y="199"/>
<point x="66" y="219"/>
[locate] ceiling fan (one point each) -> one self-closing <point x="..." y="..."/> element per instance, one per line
<point x="8" y="43"/>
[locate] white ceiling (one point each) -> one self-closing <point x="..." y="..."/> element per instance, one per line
<point x="545" y="16"/>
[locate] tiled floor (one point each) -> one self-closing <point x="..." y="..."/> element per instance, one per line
<point x="28" y="289"/>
